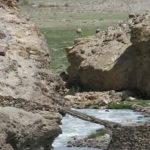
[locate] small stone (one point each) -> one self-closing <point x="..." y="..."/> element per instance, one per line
<point x="2" y="35"/>
<point x="131" y="15"/>
<point x="94" y="51"/>
<point x="136" y="21"/>
<point x="28" y="19"/>
<point x="131" y="98"/>
<point x="69" y="97"/>
<point x="82" y="51"/>
<point x="120" y="39"/>
<point x="118" y="34"/>
<point x="137" y="15"/>
<point x="97" y="30"/>
<point x="69" y="48"/>
<point x="2" y="51"/>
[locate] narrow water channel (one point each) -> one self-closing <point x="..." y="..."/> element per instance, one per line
<point x="72" y="126"/>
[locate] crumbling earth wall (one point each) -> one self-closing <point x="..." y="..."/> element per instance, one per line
<point x="115" y="59"/>
<point x="29" y="91"/>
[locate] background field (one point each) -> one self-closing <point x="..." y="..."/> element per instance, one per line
<point x="59" y="19"/>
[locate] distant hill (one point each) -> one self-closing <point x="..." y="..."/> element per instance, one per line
<point x="96" y="5"/>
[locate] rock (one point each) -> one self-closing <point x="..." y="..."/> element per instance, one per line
<point x="98" y="142"/>
<point x="119" y="61"/>
<point x="23" y="129"/>
<point x="2" y="51"/>
<point x="132" y="15"/>
<point x="69" y="48"/>
<point x="98" y="30"/>
<point x="27" y="86"/>
<point x="8" y="4"/>
<point x="2" y="35"/>
<point x="92" y="99"/>
<point x="74" y="137"/>
<point x="131" y="98"/>
<point x="145" y="110"/>
<point x="69" y="97"/>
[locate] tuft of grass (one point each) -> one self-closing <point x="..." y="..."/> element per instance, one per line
<point x="120" y="105"/>
<point x="99" y="132"/>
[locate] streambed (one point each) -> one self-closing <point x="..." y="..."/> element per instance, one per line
<point x="74" y="127"/>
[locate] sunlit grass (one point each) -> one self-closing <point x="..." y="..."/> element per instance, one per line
<point x="60" y="36"/>
<point x="127" y="104"/>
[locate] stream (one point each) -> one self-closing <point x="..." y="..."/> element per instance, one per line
<point x="74" y="127"/>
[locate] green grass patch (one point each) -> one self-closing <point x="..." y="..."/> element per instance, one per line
<point x="99" y="132"/>
<point x="127" y="104"/>
<point x="119" y="105"/>
<point x="59" y="28"/>
<point x="58" y="40"/>
<point x="60" y="36"/>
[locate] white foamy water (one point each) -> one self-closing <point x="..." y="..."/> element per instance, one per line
<point x="72" y="126"/>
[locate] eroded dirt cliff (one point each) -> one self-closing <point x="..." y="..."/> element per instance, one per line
<point x="115" y="59"/>
<point x="27" y="86"/>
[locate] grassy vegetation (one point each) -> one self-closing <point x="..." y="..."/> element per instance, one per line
<point x="127" y="104"/>
<point x="120" y="105"/>
<point x="99" y="132"/>
<point x="59" y="27"/>
<point x="60" y="36"/>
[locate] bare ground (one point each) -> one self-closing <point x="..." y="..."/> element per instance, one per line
<point x="94" y="5"/>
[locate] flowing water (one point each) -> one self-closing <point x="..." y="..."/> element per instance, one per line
<point x="72" y="126"/>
